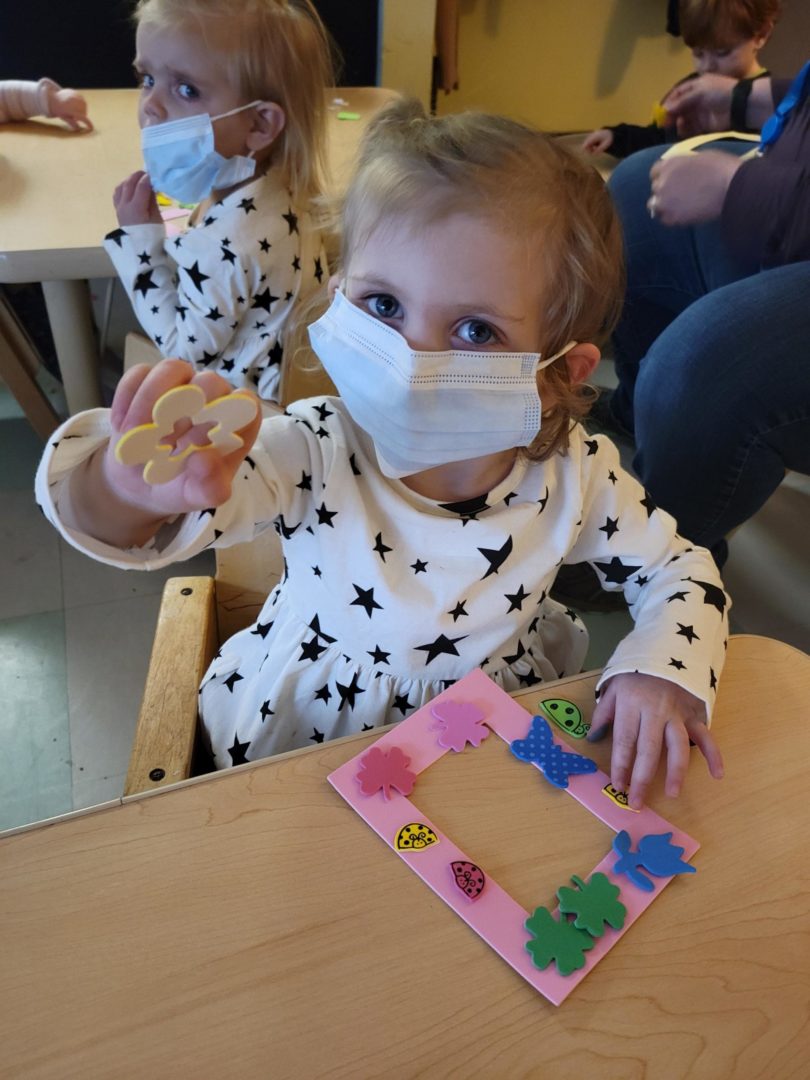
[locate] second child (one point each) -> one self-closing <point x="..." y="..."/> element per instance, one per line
<point x="232" y="115"/>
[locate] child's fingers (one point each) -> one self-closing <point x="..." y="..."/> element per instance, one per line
<point x="625" y="736"/>
<point x="158" y="379"/>
<point x="677" y="743"/>
<point x="702" y="738"/>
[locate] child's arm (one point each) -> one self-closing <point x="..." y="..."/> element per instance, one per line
<point x="21" y="99"/>
<point x="112" y="502"/>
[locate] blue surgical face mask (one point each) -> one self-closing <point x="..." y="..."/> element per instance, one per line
<point x="181" y="161"/>
<point x="423" y="409"/>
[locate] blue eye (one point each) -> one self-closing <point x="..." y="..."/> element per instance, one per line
<point x="187" y="91"/>
<point x="476" y="332"/>
<point x="384" y="306"/>
<point x="146" y="82"/>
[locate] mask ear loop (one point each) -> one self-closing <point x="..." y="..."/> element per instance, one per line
<point x="550" y="360"/>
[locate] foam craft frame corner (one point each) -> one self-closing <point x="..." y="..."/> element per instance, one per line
<point x="495" y="915"/>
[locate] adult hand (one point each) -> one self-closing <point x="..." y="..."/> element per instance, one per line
<point x="135" y="202"/>
<point x="598" y="142"/>
<point x="648" y="714"/>
<point x="690" y="189"/>
<point x="700" y="105"/>
<point x="70" y="106"/>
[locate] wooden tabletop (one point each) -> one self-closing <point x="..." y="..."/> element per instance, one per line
<point x="56" y="185"/>
<point x="251" y="925"/>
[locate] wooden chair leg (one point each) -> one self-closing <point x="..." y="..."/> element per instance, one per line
<point x="19" y="362"/>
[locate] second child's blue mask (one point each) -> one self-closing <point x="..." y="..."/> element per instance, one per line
<point x="182" y="163"/>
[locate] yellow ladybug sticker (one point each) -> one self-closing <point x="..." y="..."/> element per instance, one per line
<point x="415" y="837"/>
<point x="619" y="797"/>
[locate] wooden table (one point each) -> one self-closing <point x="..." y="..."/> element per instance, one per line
<point x="56" y="206"/>
<point x="251" y="925"/>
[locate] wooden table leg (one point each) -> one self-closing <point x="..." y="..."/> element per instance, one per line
<point x="68" y="304"/>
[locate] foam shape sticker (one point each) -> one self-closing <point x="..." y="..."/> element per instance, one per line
<point x="151" y="444"/>
<point x="593" y="904"/>
<point x="566" y="715"/>
<point x="470" y="878"/>
<point x="555" y="763"/>
<point x="660" y="116"/>
<point x="620" y="798"/>
<point x="558" y="940"/>
<point x="460" y="723"/>
<point x="415" y="836"/>
<point x="382" y="770"/>
<point x="655" y="853"/>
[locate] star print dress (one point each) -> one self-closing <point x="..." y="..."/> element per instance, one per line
<point x="388" y="597"/>
<point x="220" y="294"/>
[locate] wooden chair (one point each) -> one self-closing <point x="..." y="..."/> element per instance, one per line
<point x="19" y="363"/>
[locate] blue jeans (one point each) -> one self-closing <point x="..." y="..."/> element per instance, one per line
<point x="713" y="360"/>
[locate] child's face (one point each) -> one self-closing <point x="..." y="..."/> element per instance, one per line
<point x="458" y="283"/>
<point x="737" y="61"/>
<point x="180" y="77"/>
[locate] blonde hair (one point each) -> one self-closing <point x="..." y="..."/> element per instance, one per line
<point x="429" y="167"/>
<point x="276" y="50"/>
<point x="720" y="24"/>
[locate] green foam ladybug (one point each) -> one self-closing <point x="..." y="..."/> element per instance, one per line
<point x="566" y="715"/>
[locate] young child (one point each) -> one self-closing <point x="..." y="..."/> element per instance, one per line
<point x="232" y="118"/>
<point x="21" y="99"/>
<point x="425" y="512"/>
<point x="725" y="37"/>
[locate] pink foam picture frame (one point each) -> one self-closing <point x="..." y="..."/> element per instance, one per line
<point x="495" y="915"/>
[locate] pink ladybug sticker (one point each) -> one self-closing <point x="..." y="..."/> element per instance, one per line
<point x="469" y="878"/>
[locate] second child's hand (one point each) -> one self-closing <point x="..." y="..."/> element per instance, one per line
<point x="135" y="202"/>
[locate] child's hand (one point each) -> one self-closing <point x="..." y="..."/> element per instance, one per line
<point x="135" y="202"/>
<point x="700" y="105"/>
<point x="648" y="713"/>
<point x="70" y="106"/>
<point x="690" y="189"/>
<point x="598" y="142"/>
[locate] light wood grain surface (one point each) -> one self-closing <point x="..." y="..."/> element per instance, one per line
<point x="251" y="925"/>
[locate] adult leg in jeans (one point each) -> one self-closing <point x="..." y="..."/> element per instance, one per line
<point x="667" y="270"/>
<point x="722" y="403"/>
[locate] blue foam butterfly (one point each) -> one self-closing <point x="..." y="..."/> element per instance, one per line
<point x="555" y="763"/>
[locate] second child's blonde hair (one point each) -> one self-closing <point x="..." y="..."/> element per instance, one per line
<point x="276" y="50"/>
<point x="421" y="169"/>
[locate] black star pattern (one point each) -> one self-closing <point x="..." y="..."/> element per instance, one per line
<point x="513" y="659"/>
<point x="612" y="477"/>
<point x="323" y="411"/>
<point x="616" y="571"/>
<point x="181" y="310"/>
<point x="610" y="527"/>
<point x="158" y="340"/>
<point x="712" y="679"/>
<point x="263" y="300"/>
<point x="305" y="484"/>
<point x="266" y="711"/>
<point x="401" y="702"/>
<point x="677" y="596"/>
<point x="191" y="339"/>
<point x="325" y="516"/>
<point x="440" y="645"/>
<point x="145" y="259"/>
<point x="324" y="694"/>
<point x="315" y="627"/>
<point x="496" y="557"/>
<point x="379" y="656"/>
<point x="214" y="314"/>
<point x="247" y="205"/>
<point x="227" y="365"/>
<point x="311" y="650"/>
<point x="365" y="600"/>
<point x="232" y="680"/>
<point x="143" y="283"/>
<point x="348" y="693"/>
<point x="592" y="445"/>
<point x="227" y="254"/>
<point x="467" y="509"/>
<point x="116" y="235"/>
<point x="688" y="632"/>
<point x="355" y="468"/>
<point x="419" y="567"/>
<point x="679" y="665"/>
<point x="322" y="433"/>
<point x="516" y="599"/>
<point x="316" y="570"/>
<point x="285" y="530"/>
<point x="296" y="263"/>
<point x="316" y="736"/>
<point x="318" y="270"/>
<point x="276" y="353"/>
<point x="208" y="221"/>
<point x="265" y="244"/>
<point x="458" y="610"/>
<point x="196" y="275"/>
<point x="262" y="629"/>
<point x="367" y="727"/>
<point x="713" y="596"/>
<point x="154" y="309"/>
<point x="380" y="547"/>
<point x="209" y="357"/>
<point x="642" y="580"/>
<point x="648" y="504"/>
<point x="238" y="751"/>
<point x="292" y="221"/>
<point x="542" y="503"/>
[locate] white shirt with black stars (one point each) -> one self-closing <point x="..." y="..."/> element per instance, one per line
<point x="388" y="597"/>
<point x="219" y="295"/>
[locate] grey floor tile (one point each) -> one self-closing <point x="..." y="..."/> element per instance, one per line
<point x="30" y="571"/>
<point x="20" y="451"/>
<point x="108" y="647"/>
<point x="88" y="582"/>
<point x="101" y="789"/>
<point x="34" y="730"/>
